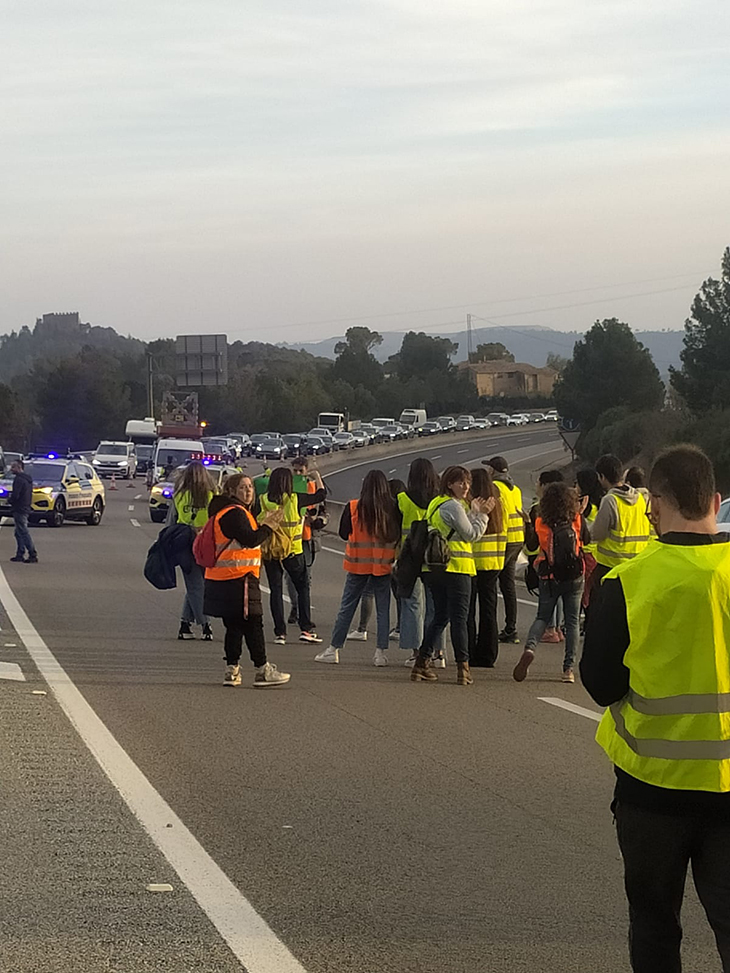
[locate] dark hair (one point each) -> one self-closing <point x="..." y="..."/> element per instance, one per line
<point x="376" y="509"/>
<point x="300" y="462"/>
<point x="396" y="486"/>
<point x="18" y="462"/>
<point x="499" y="464"/>
<point x="636" y="477"/>
<point x="683" y="475"/>
<point x="423" y="482"/>
<point x="588" y="486"/>
<point x="558" y="504"/>
<point x="196" y="481"/>
<point x="550" y="476"/>
<point x="483" y="486"/>
<point x="281" y="484"/>
<point x="452" y="474"/>
<point x="611" y="467"/>
<point x="232" y="483"/>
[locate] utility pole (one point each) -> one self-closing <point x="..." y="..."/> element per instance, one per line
<point x="469" y="338"/>
<point x="150" y="388"/>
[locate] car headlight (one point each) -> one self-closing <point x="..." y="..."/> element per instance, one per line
<point x="96" y="462"/>
<point x="156" y="490"/>
<point x="122" y="462"/>
<point x="46" y="489"/>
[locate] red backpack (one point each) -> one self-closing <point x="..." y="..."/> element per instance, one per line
<point x="204" y="550"/>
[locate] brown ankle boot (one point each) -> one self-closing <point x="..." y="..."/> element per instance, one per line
<point x="422" y="671"/>
<point x="463" y="676"/>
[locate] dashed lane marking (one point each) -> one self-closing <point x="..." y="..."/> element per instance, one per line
<point x="134" y="523"/>
<point x="436" y="457"/>
<point x="138" y="497"/>
<point x="589" y="714"/>
<point x="11" y="670"/>
<point x="130" y="507"/>
<point x="393" y="470"/>
<point x="462" y="450"/>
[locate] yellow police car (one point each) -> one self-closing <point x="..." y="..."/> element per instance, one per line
<point x="63" y="489"/>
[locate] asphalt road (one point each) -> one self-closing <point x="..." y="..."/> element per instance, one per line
<point x="375" y="824"/>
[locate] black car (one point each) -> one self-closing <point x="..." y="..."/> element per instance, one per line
<point x="145" y="455"/>
<point x="272" y="449"/>
<point x="296" y="443"/>
<point x="430" y="429"/>
<point x="317" y="446"/>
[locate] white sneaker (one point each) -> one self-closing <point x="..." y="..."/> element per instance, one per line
<point x="330" y="654"/>
<point x="380" y="659"/>
<point x="232" y="676"/>
<point x="268" y="675"/>
<point x="357" y="636"/>
<point x="439" y="662"/>
<point x="394" y="635"/>
<point x="280" y="640"/>
<point x="411" y="660"/>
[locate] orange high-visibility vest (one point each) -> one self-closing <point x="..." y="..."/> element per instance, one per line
<point x="363" y="553"/>
<point x="306" y="529"/>
<point x="233" y="560"/>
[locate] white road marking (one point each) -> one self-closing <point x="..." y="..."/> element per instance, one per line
<point x="11" y="670"/>
<point x="590" y="714"/>
<point x="285" y="596"/>
<point x="462" y="450"/>
<point x="250" y="939"/>
<point x="393" y="470"/>
<point x="134" y="523"/>
<point x="11" y="645"/>
<point x="130" y="507"/>
<point x="436" y="457"/>
<point x="138" y="497"/>
<point x="333" y="550"/>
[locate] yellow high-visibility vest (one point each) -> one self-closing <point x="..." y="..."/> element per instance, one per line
<point x="631" y="535"/>
<point x="409" y="512"/>
<point x="462" y="557"/>
<point x="293" y="521"/>
<point x="672" y="729"/>
<point x="589" y="518"/>
<point x="512" y="507"/>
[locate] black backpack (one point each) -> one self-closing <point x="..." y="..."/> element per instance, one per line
<point x="564" y="560"/>
<point x="437" y="554"/>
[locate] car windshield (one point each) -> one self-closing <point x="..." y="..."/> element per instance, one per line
<point x="342" y="435"/>
<point x="111" y="449"/>
<point x="144" y="452"/>
<point x="315" y="440"/>
<point x="215" y="445"/>
<point x="292" y="439"/>
<point x="390" y="428"/>
<point x="48" y="472"/>
<point x="272" y="442"/>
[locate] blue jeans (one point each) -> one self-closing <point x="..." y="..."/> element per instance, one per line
<point x="570" y="593"/>
<point x="367" y="603"/>
<point x="308" y="551"/>
<point x="22" y="536"/>
<point x="416" y="615"/>
<point x="355" y="586"/>
<point x="192" y="610"/>
<point x="451" y="593"/>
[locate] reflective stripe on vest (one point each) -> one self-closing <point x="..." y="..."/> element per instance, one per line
<point x="489" y="552"/>
<point x="363" y="553"/>
<point x="631" y="536"/>
<point x="512" y="508"/>
<point x="462" y="556"/>
<point x="232" y="559"/>
<point x="410" y="513"/>
<point x="292" y="522"/>
<point x="678" y="611"/>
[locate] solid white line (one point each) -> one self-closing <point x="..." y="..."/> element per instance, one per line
<point x="284" y="595"/>
<point x="135" y="523"/>
<point x="332" y="550"/>
<point x="590" y="714"/>
<point x="11" y="670"/>
<point x="249" y="938"/>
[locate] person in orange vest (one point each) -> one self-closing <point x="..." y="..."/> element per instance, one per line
<point x="232" y="589"/>
<point x="371" y="526"/>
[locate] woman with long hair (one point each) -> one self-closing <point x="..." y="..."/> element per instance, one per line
<point x="232" y="585"/>
<point x="192" y="493"/>
<point x="280" y="495"/>
<point x="371" y="526"/>
<point x="590" y="488"/>
<point x="459" y="524"/>
<point x="489" y="554"/>
<point x="561" y="532"/>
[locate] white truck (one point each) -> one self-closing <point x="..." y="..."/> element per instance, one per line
<point x="414" y="418"/>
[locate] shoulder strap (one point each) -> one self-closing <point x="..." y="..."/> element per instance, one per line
<point x="453" y="530"/>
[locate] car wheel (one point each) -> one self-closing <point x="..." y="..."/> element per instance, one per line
<point x="58" y="514"/>
<point x="97" y="510"/>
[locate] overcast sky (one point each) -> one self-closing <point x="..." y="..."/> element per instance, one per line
<point x="271" y="168"/>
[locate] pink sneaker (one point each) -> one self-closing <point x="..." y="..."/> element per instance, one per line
<point x="551" y="635"/>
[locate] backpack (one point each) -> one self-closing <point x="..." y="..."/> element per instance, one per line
<point x="437" y="554"/>
<point x="204" y="545"/>
<point x="563" y="560"/>
<point x="407" y="569"/>
<point x="277" y="546"/>
<point x="158" y="570"/>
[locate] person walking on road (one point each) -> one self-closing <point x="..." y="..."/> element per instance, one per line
<point x="280" y="495"/>
<point x="21" y="504"/>
<point x="554" y="632"/>
<point x="657" y="654"/>
<point x="302" y="483"/>
<point x="561" y="533"/>
<point x="191" y="497"/>
<point x="621" y="529"/>
<point x="489" y="553"/>
<point x="232" y="589"/>
<point x="589" y="487"/>
<point x="371" y="526"/>
<point x="511" y="497"/>
<point x="459" y="524"/>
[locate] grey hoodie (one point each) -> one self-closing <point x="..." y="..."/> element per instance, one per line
<point x="607" y="518"/>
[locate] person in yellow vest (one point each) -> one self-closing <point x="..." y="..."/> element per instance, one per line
<point x="489" y="553"/>
<point x="590" y="489"/>
<point x="232" y="586"/>
<point x="460" y="524"/>
<point x="280" y="494"/>
<point x="302" y="483"/>
<point x="511" y="497"/>
<point x="657" y="654"/>
<point x="191" y="495"/>
<point x="621" y="529"/>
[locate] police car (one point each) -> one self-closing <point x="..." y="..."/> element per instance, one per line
<point x="161" y="493"/>
<point x="63" y="489"/>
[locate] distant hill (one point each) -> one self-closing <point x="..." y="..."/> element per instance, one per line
<point x="58" y="336"/>
<point x="531" y="345"/>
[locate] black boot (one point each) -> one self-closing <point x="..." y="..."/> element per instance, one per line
<point x="185" y="632"/>
<point x="207" y="632"/>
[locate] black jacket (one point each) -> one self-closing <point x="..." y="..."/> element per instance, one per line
<point x="606" y="678"/>
<point x="21" y="498"/>
<point x="227" y="599"/>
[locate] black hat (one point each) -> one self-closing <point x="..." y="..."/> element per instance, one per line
<point x="498" y="463"/>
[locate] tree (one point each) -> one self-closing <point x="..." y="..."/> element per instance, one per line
<point x="704" y="379"/>
<point x="556" y="362"/>
<point x="609" y="368"/>
<point x="355" y="364"/>
<point x="359" y="339"/>
<point x="420" y="354"/>
<point x="491" y="351"/>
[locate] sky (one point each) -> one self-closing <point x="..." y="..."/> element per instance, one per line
<point x="280" y="170"/>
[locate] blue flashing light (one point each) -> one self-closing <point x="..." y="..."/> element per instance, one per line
<point x="167" y="493"/>
<point x="52" y="456"/>
<point x="206" y="462"/>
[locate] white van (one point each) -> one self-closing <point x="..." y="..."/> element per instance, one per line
<point x="171" y="453"/>
<point x="382" y="422"/>
<point x="413" y="417"/>
<point x="115" y="459"/>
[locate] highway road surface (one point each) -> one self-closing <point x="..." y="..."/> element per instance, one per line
<point x="351" y="821"/>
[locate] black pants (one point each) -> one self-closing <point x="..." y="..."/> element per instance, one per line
<point x="484" y="640"/>
<point x="508" y="588"/>
<point x="296" y="568"/>
<point x="657" y="849"/>
<point x="251" y="629"/>
<point x="451" y="598"/>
